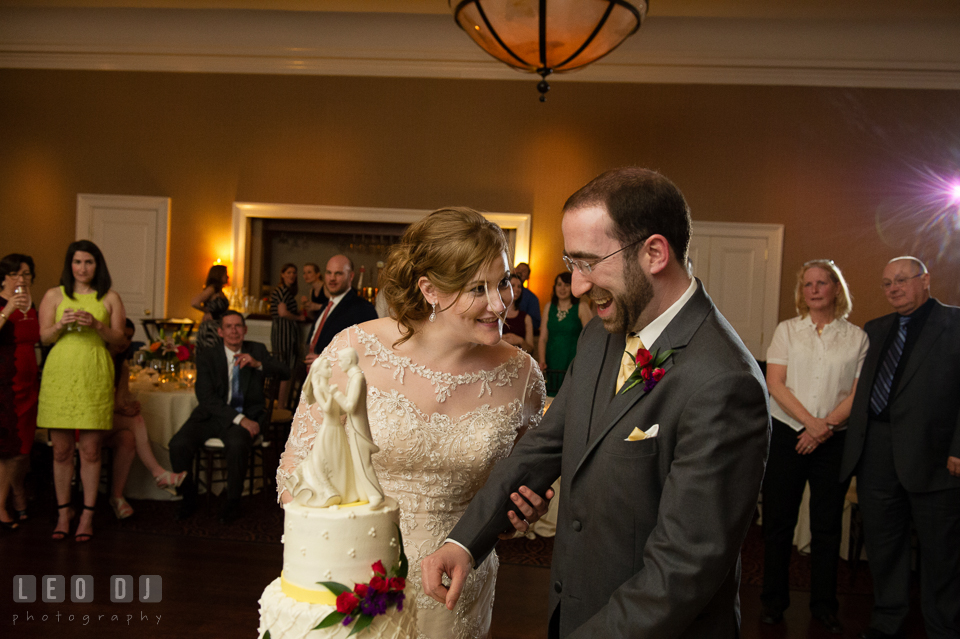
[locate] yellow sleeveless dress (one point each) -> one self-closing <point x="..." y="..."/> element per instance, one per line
<point x="76" y="390"/>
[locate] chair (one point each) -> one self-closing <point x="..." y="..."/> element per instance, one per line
<point x="855" y="545"/>
<point x="553" y="380"/>
<point x="278" y="427"/>
<point x="153" y="326"/>
<point x="210" y="464"/>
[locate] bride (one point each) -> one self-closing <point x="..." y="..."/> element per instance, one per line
<point x="447" y="398"/>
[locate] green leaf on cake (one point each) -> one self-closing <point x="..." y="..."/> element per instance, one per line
<point x="334" y="587"/>
<point x="403" y="565"/>
<point x="361" y="624"/>
<point x="330" y="620"/>
<point x="266" y="635"/>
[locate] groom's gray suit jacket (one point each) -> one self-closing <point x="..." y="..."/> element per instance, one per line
<point x="648" y="532"/>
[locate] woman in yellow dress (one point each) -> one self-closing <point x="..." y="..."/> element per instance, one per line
<point x="79" y="317"/>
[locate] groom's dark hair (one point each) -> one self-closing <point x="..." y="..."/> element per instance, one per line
<point x="641" y="203"/>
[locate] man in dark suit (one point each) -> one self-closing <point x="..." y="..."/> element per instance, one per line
<point x="661" y="477"/>
<point x="231" y="407"/>
<point x="903" y="444"/>
<point x="344" y="308"/>
<point x="529" y="303"/>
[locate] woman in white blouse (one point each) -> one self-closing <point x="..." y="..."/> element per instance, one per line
<point x="813" y="364"/>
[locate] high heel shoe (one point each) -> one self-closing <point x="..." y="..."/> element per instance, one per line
<point x="84" y="537"/>
<point x="121" y="508"/>
<point x="166" y="479"/>
<point x="9" y="525"/>
<point x="60" y="535"/>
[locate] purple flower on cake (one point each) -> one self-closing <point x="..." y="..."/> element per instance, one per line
<point x="367" y="601"/>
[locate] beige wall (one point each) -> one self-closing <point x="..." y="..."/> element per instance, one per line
<point x="822" y="162"/>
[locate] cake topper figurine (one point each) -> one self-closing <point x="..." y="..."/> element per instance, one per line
<point x="362" y="448"/>
<point x="338" y="469"/>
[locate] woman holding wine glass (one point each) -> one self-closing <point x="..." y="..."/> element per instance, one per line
<point x="79" y="318"/>
<point x="19" y="383"/>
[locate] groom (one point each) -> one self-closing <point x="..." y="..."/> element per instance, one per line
<point x="661" y="477"/>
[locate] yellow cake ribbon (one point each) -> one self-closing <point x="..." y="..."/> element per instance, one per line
<point x="323" y="597"/>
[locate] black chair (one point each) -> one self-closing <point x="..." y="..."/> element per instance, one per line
<point x="152" y="327"/>
<point x="209" y="465"/>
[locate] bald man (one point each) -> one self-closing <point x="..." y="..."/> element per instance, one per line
<point x="344" y="308"/>
<point x="903" y="444"/>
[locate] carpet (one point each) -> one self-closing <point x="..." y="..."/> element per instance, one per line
<point x="262" y="522"/>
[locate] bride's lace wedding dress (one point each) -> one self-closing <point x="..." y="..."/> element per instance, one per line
<point x="439" y="436"/>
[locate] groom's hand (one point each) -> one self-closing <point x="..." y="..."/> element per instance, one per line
<point x="451" y="560"/>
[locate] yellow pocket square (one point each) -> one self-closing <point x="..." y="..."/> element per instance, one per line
<point x="638" y="435"/>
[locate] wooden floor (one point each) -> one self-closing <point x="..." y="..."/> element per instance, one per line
<point x="211" y="587"/>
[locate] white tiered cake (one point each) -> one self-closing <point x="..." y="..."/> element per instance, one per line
<point x="343" y="564"/>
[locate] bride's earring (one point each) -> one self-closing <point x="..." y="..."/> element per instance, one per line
<point x="433" y="314"/>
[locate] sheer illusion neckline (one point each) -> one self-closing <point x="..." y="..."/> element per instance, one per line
<point x="444" y="383"/>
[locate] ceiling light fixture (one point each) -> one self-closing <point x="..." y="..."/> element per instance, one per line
<point x="548" y="36"/>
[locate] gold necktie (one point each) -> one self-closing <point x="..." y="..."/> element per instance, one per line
<point x="628" y="363"/>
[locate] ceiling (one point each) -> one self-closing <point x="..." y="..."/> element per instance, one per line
<point x="765" y="9"/>
<point x="856" y="43"/>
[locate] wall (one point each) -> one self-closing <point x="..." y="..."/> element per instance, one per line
<point x="833" y="165"/>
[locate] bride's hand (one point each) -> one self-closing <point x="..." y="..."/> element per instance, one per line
<point x="533" y="507"/>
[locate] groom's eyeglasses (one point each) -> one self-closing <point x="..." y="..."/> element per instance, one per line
<point x="586" y="266"/>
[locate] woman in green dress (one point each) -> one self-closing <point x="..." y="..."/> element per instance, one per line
<point x="559" y="331"/>
<point x="79" y="317"/>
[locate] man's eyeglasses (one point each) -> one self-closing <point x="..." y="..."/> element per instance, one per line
<point x="898" y="281"/>
<point x="586" y="266"/>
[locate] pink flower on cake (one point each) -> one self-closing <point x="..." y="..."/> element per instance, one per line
<point x="379" y="584"/>
<point x="367" y="601"/>
<point x="346" y="602"/>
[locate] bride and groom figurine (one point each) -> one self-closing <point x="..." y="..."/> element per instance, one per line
<point x="338" y="469"/>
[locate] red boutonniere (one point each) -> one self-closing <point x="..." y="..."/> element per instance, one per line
<point x="648" y="370"/>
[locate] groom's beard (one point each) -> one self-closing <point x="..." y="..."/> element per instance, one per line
<point x="629" y="305"/>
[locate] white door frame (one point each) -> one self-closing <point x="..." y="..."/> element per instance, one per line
<point x="87" y="203"/>
<point x="244" y="211"/>
<point x="773" y="233"/>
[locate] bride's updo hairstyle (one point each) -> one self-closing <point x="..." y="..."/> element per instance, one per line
<point x="447" y="247"/>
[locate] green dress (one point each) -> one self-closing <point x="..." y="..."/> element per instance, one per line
<point x="76" y="390"/>
<point x="562" y="336"/>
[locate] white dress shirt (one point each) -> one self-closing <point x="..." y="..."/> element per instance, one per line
<point x="820" y="368"/>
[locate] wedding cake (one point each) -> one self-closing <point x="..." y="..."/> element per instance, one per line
<point x="344" y="569"/>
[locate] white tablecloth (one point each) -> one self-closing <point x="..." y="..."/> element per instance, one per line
<point x="164" y="413"/>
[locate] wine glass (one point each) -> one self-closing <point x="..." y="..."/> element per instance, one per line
<point x="19" y="290"/>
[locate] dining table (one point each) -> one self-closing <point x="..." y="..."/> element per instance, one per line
<point x="164" y="411"/>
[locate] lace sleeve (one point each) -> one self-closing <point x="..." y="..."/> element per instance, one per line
<point x="308" y="419"/>
<point x="534" y="396"/>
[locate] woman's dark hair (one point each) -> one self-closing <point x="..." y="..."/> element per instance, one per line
<point x="11" y="264"/>
<point x="293" y="287"/>
<point x="562" y="277"/>
<point x="516" y="300"/>
<point x="215" y="277"/>
<point x="101" y="277"/>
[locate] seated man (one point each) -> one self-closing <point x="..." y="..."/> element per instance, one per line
<point x="232" y="407"/>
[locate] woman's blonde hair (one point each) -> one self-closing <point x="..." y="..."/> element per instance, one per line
<point x="844" y="302"/>
<point x="447" y="247"/>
